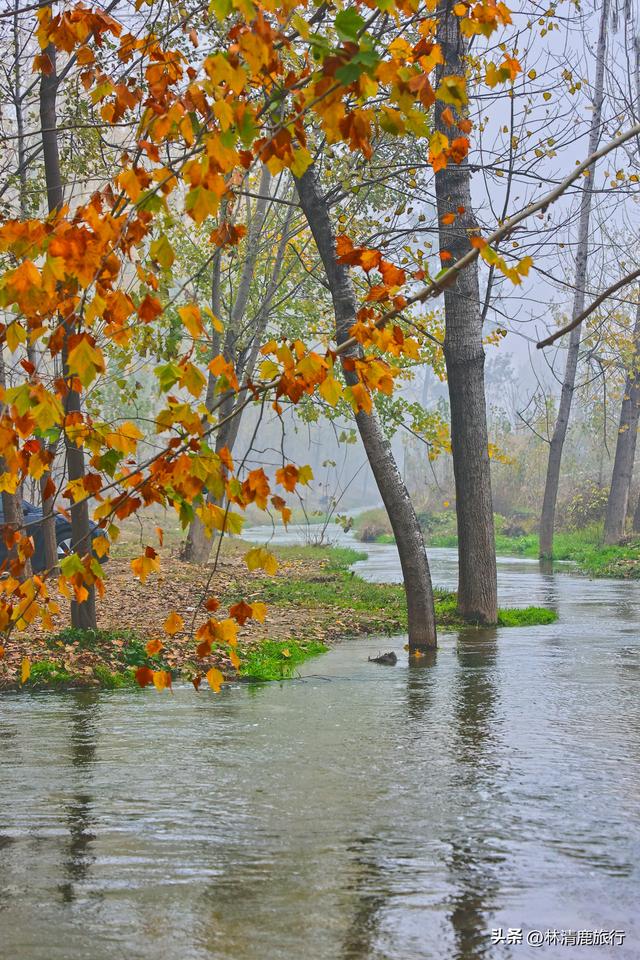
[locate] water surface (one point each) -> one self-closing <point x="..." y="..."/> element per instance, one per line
<point x="358" y="812"/>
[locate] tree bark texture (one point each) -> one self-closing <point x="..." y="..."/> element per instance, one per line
<point x="83" y="615"/>
<point x="464" y="357"/>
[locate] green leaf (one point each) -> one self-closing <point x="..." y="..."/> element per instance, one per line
<point x="70" y="565"/>
<point x="348" y="24"/>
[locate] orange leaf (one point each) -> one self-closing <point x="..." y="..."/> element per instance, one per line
<point x="154" y="646"/>
<point x="448" y="219"/>
<point x="196" y="681"/>
<point x="173" y="624"/>
<point x="241" y="612"/>
<point x="144" y="676"/>
<point x="161" y="679"/>
<point x="25" y="670"/>
<point x="215" y="678"/>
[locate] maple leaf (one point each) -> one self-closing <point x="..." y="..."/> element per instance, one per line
<point x="260" y="557"/>
<point x="144" y="676"/>
<point x="192" y="319"/>
<point x="161" y="679"/>
<point x="173" y="624"/>
<point x="453" y="90"/>
<point x="85" y="359"/>
<point x="215" y="679"/>
<point x="148" y="563"/>
<point x="241" y="612"/>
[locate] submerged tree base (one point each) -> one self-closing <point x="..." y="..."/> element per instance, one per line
<point x="314" y="600"/>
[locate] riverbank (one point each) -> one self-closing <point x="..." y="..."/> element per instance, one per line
<point x="313" y="600"/>
<point x="584" y="547"/>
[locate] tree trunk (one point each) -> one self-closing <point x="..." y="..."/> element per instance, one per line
<point x="464" y="357"/>
<point x="618" y="502"/>
<point x="12" y="502"/>
<point x="413" y="557"/>
<point x="47" y="503"/>
<point x="636" y="518"/>
<point x="198" y="545"/>
<point x="83" y="615"/>
<point x="547" y="518"/>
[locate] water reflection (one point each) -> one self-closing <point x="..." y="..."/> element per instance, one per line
<point x="85" y="719"/>
<point x="471" y="863"/>
<point x="366" y="883"/>
<point x="365" y="813"/>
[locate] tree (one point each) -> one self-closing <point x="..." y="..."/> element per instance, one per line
<point x="622" y="475"/>
<point x="83" y="607"/>
<point x="464" y="355"/>
<point x="547" y="518"/>
<point x="408" y="536"/>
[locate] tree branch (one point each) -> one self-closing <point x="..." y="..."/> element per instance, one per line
<point x="630" y="277"/>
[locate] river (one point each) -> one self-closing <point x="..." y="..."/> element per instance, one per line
<point x="357" y="813"/>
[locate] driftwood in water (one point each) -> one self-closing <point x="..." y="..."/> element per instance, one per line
<point x="386" y="658"/>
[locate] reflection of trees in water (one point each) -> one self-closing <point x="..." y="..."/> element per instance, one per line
<point x="78" y="812"/>
<point x="548" y="578"/>
<point x="366" y="875"/>
<point x="420" y="685"/>
<point x="471" y="865"/>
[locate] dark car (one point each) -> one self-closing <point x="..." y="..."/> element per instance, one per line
<point x="33" y="524"/>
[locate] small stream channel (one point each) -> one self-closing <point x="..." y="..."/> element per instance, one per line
<point x="358" y="813"/>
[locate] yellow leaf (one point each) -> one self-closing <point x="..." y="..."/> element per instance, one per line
<point x="438" y="142"/>
<point x="453" y="90"/>
<point x="125" y="438"/>
<point x="25" y="670"/>
<point x="302" y="160"/>
<point x="143" y="566"/>
<point x="331" y="390"/>
<point x="190" y="316"/>
<point x="259" y="611"/>
<point x="100" y="546"/>
<point x="86" y="360"/>
<point x="234" y="658"/>
<point x="15" y="335"/>
<point x="173" y="624"/>
<point x="162" y="251"/>
<point x="260" y="557"/>
<point x="286" y="652"/>
<point x="161" y="679"/>
<point x="215" y="678"/>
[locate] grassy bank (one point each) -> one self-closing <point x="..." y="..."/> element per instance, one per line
<point x="582" y="547"/>
<point x="314" y="600"/>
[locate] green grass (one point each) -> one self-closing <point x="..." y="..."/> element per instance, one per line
<point x="382" y="606"/>
<point x="278" y="659"/>
<point x="46" y="673"/>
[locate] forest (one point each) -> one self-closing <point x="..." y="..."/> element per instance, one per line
<point x="319" y="496"/>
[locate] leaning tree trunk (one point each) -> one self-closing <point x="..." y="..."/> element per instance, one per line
<point x="548" y="516"/>
<point x="464" y="357"/>
<point x="413" y="557"/>
<point x="618" y="502"/>
<point x="83" y="615"/>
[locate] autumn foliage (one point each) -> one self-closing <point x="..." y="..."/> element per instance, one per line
<point x="282" y="79"/>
